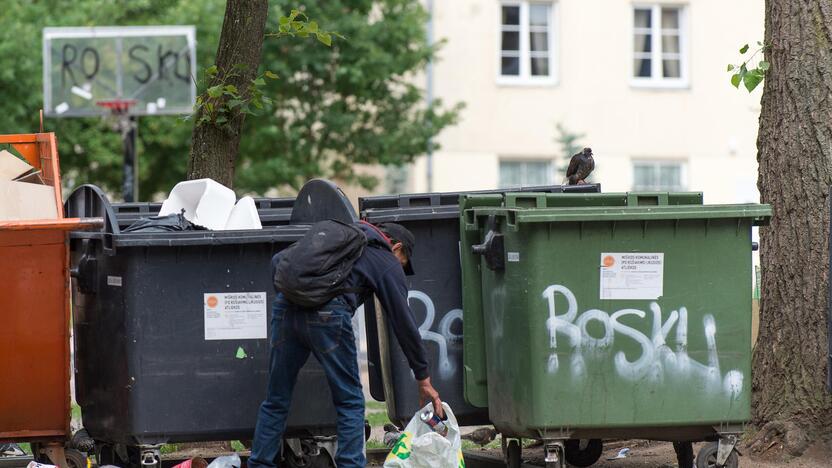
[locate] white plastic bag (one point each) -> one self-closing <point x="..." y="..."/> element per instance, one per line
<point x="420" y="447"/>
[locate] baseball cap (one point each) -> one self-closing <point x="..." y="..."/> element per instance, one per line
<point x="399" y="233"/>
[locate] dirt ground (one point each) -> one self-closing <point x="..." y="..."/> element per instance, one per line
<point x="646" y="454"/>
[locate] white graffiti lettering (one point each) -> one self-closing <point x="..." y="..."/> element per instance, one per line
<point x="656" y="360"/>
<point x="444" y="336"/>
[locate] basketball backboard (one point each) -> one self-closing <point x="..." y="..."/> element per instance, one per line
<point x="154" y="66"/>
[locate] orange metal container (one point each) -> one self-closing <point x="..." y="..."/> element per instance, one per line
<point x="34" y="309"/>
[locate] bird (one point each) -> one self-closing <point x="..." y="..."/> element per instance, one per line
<point x="391" y="435"/>
<point x="580" y="166"/>
<point x="481" y="436"/>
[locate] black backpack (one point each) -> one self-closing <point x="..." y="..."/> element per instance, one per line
<point x="312" y="271"/>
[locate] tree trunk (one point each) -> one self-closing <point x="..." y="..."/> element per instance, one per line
<point x="795" y="154"/>
<point x="213" y="149"/>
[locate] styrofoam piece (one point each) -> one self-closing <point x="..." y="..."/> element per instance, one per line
<point x="244" y="215"/>
<point x="206" y="202"/>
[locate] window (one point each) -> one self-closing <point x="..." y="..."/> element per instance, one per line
<point x="515" y="173"/>
<point x="659" y="175"/>
<point x="527" y="42"/>
<point x="659" y="46"/>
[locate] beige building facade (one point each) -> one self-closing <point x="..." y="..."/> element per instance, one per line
<point x="644" y="83"/>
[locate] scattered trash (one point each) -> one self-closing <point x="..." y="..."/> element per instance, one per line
<point x="210" y="204"/>
<point x="391" y="435"/>
<point x="23" y="194"/>
<point x="227" y="461"/>
<point x="621" y="454"/>
<point x="241" y="353"/>
<point x="34" y="464"/>
<point x="196" y="462"/>
<point x="11" y="450"/>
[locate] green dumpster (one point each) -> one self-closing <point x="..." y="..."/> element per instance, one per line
<point x="608" y="315"/>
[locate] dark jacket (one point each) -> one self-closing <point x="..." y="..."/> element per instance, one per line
<point x="379" y="271"/>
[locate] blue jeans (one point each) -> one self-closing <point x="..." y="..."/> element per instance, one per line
<point x="328" y="334"/>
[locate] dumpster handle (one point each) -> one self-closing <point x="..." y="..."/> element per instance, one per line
<point x="492" y="247"/>
<point x="89" y="201"/>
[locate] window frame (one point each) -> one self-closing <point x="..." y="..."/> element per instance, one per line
<point x="525" y="78"/>
<point x="551" y="171"/>
<point x="656" y="80"/>
<point x="656" y="164"/>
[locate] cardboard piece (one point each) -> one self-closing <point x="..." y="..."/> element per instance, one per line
<point x="22" y="200"/>
<point x="22" y="192"/>
<point x="12" y="167"/>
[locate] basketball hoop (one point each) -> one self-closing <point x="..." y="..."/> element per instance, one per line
<point x="117" y="106"/>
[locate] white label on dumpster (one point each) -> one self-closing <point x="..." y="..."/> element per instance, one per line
<point x="632" y="275"/>
<point x="113" y="280"/>
<point x="235" y="316"/>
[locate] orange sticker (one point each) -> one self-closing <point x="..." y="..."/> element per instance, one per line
<point x="609" y="261"/>
<point x="212" y="301"/>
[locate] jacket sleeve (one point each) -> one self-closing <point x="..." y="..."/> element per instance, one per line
<point x="391" y="290"/>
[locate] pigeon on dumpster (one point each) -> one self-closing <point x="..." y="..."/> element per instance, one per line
<point x="580" y="166"/>
<point x="481" y="436"/>
<point x="391" y="435"/>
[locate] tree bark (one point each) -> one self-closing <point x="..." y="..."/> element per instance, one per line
<point x="214" y="149"/>
<point x="795" y="154"/>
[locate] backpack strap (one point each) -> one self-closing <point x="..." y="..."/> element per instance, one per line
<point x="388" y="242"/>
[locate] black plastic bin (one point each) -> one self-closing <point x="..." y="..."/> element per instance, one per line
<point x="435" y="298"/>
<point x="150" y="367"/>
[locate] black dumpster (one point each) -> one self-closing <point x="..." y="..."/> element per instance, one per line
<point x="436" y="299"/>
<point x="172" y="328"/>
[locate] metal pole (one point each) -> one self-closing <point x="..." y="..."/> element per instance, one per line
<point x="429" y="92"/>
<point x="128" y="141"/>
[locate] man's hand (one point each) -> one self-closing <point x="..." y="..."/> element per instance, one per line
<point x="428" y="393"/>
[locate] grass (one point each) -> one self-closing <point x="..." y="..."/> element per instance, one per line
<point x="376" y="405"/>
<point x="76" y="412"/>
<point x="377" y="419"/>
<point x="375" y="444"/>
<point x="26" y="448"/>
<point x="238" y="446"/>
<point x="169" y="448"/>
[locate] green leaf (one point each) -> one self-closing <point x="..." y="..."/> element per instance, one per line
<point x="222" y="119"/>
<point x="293" y="14"/>
<point x="283" y="20"/>
<point x="312" y="27"/>
<point x="764" y="65"/>
<point x="730" y="67"/>
<point x="232" y="103"/>
<point x="259" y="82"/>
<point x="231" y="89"/>
<point x="215" y="91"/>
<point x="270" y="75"/>
<point x="212" y="70"/>
<point x="325" y="38"/>
<point x="752" y="79"/>
<point x="735" y="80"/>
<point x="744" y="49"/>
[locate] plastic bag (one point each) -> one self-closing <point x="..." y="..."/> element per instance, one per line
<point x="420" y="447"/>
<point x="227" y="461"/>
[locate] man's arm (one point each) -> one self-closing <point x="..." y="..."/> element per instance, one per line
<point x="391" y="290"/>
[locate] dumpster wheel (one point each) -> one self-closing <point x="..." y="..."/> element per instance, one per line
<point x="707" y="457"/>
<point x="75" y="459"/>
<point x="583" y="452"/>
<point x="514" y="454"/>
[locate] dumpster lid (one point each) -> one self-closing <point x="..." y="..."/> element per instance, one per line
<point x="443" y="205"/>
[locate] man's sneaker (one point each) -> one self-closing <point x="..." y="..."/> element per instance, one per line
<point x="11" y="450"/>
